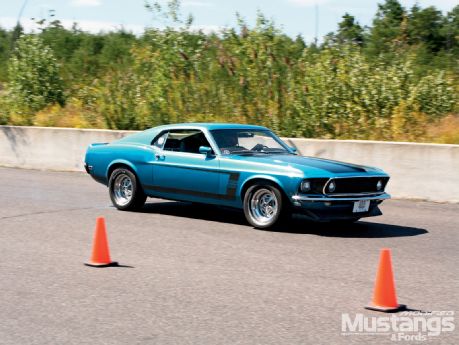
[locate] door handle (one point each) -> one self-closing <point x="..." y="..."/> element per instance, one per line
<point x="159" y="157"/>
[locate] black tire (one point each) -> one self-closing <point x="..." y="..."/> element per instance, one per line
<point x="253" y="193"/>
<point x="135" y="199"/>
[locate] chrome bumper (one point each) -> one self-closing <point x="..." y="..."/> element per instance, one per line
<point x="324" y="198"/>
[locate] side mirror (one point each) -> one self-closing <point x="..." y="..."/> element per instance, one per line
<point x="293" y="149"/>
<point x="205" y="150"/>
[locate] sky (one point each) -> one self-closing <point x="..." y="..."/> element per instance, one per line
<point x="293" y="16"/>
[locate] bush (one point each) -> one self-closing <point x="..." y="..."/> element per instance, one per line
<point x="34" y="79"/>
<point x="256" y="75"/>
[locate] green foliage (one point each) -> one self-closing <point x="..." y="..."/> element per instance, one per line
<point x="450" y="32"/>
<point x="349" y="31"/>
<point x="424" y="27"/>
<point x="34" y="79"/>
<point x="5" y="49"/>
<point x="5" y="107"/>
<point x="389" y="28"/>
<point x="393" y="81"/>
<point x="346" y="96"/>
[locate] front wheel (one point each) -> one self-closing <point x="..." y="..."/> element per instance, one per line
<point x="264" y="206"/>
<point x="125" y="191"/>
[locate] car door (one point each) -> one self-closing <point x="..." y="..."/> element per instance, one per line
<point x="180" y="171"/>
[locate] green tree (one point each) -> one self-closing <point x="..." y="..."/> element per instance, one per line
<point x="387" y="28"/>
<point x="450" y="31"/>
<point x="5" y="49"/>
<point x="349" y="31"/>
<point x="395" y="80"/>
<point x="34" y="80"/>
<point x="17" y="32"/>
<point x="425" y="27"/>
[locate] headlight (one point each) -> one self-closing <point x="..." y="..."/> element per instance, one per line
<point x="379" y="185"/>
<point x="305" y="186"/>
<point x="331" y="187"/>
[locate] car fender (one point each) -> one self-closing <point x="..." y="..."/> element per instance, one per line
<point x="121" y="161"/>
<point x="284" y="185"/>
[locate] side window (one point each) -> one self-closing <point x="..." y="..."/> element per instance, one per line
<point x="159" y="142"/>
<point x="185" y="141"/>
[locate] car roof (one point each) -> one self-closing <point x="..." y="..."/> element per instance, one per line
<point x="146" y="136"/>
<point x="210" y="126"/>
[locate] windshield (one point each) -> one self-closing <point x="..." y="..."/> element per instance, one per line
<point x="246" y="141"/>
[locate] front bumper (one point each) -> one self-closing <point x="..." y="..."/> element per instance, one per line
<point x="301" y="198"/>
<point x="325" y="208"/>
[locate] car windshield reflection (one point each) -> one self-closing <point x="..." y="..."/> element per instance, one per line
<point x="248" y="142"/>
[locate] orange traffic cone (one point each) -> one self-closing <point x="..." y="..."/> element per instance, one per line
<point x="384" y="297"/>
<point x="100" y="252"/>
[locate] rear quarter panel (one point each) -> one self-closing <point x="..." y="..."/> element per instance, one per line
<point x="103" y="158"/>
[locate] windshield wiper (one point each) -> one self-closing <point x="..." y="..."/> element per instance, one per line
<point x="238" y="152"/>
<point x="276" y="151"/>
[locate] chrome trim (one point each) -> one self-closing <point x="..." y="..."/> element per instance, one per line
<point x="341" y="177"/>
<point x="383" y="196"/>
<point x="355" y="194"/>
<point x="123" y="189"/>
<point x="263" y="206"/>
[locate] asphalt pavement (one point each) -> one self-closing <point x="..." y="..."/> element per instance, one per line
<point x="201" y="275"/>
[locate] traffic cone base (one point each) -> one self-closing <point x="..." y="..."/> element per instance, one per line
<point x="400" y="307"/>
<point x="95" y="264"/>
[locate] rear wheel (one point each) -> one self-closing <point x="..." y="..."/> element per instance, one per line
<point x="125" y="191"/>
<point x="264" y="206"/>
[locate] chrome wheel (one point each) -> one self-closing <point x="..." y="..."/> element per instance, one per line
<point x="122" y="189"/>
<point x="263" y="206"/>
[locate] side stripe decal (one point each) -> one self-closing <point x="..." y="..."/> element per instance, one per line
<point x="231" y="189"/>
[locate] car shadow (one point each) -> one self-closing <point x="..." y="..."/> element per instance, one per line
<point x="297" y="225"/>
<point x="361" y="229"/>
<point x="196" y="211"/>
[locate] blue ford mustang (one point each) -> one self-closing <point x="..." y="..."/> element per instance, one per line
<point x="234" y="165"/>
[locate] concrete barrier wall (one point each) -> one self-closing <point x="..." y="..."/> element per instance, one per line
<point x="50" y="148"/>
<point x="418" y="171"/>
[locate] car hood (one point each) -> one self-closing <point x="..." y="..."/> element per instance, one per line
<point x="308" y="164"/>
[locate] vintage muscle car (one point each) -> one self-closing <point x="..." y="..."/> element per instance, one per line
<point x="241" y="166"/>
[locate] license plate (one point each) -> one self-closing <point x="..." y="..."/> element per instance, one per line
<point x="361" y="206"/>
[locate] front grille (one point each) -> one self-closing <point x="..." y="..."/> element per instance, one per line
<point x="317" y="185"/>
<point x="356" y="185"/>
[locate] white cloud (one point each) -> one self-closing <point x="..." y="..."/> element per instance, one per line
<point x="95" y="26"/>
<point x="86" y="3"/>
<point x="207" y="29"/>
<point x="307" y="3"/>
<point x="196" y="3"/>
<point x="92" y="26"/>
